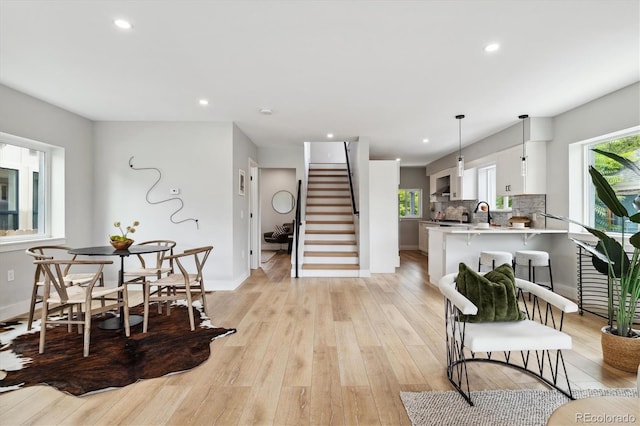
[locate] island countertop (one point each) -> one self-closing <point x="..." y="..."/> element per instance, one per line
<point x="496" y="230"/>
<point x="451" y="245"/>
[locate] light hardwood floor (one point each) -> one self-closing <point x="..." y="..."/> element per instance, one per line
<point x="321" y="351"/>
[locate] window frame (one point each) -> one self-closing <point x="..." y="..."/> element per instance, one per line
<point x="420" y="192"/>
<point x="483" y="179"/>
<point x="580" y="201"/>
<point x="51" y="186"/>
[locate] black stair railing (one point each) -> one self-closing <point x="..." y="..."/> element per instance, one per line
<point x="353" y="197"/>
<point x="296" y="225"/>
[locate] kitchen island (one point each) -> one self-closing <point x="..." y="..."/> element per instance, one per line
<point x="448" y="246"/>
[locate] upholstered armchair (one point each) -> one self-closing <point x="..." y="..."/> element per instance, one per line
<point x="280" y="235"/>
<point x="532" y="345"/>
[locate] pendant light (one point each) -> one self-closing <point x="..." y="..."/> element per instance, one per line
<point x="460" y="157"/>
<point x="523" y="159"/>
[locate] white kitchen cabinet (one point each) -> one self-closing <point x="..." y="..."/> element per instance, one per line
<point x="423" y="237"/>
<point x="464" y="187"/>
<point x="439" y="183"/>
<point x="509" y="179"/>
<point x="459" y="188"/>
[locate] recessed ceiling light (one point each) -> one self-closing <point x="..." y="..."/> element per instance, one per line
<point x="203" y="102"/>
<point x="330" y="135"/>
<point x="397" y="159"/>
<point x="491" y="47"/>
<point x="425" y="140"/>
<point x="266" y="111"/>
<point x="123" y="24"/>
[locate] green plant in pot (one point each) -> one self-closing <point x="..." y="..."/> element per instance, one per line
<point x="623" y="272"/>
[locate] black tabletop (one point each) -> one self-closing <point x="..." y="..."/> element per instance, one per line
<point x="110" y="251"/>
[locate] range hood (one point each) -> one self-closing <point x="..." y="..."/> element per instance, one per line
<point x="442" y="192"/>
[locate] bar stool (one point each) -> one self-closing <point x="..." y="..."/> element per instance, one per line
<point x="533" y="259"/>
<point x="494" y="258"/>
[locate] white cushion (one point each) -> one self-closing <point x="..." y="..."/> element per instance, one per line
<point x="500" y="257"/>
<point x="513" y="336"/>
<point x="538" y="258"/>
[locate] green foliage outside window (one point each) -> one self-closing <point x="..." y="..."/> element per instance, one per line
<point x="409" y="203"/>
<point x="625" y="184"/>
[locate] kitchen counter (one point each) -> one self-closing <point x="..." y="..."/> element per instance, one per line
<point x="448" y="246"/>
<point x="498" y="230"/>
<point x="448" y="224"/>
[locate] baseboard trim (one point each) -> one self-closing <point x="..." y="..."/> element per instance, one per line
<point x="14" y="310"/>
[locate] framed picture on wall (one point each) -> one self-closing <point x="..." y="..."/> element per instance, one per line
<point x="241" y="182"/>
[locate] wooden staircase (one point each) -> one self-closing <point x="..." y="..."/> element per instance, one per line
<point x="330" y="245"/>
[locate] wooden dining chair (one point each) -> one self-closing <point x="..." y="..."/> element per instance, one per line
<point x="77" y="300"/>
<point x="152" y="267"/>
<point x="183" y="285"/>
<point x="53" y="252"/>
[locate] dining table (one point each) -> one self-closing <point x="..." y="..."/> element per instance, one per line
<point x="117" y="323"/>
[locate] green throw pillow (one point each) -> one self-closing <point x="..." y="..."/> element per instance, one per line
<point x="494" y="294"/>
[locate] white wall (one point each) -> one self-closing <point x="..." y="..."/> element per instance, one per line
<point x="327" y="152"/>
<point x="193" y="157"/>
<point x="291" y="157"/>
<point x="272" y="181"/>
<point x="28" y="117"/>
<point x="383" y="207"/>
<point x="363" y="219"/>
<point x="616" y="111"/>
<point x="243" y="150"/>
<point x="536" y="129"/>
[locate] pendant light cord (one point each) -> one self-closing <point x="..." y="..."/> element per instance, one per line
<point x="523" y="117"/>
<point x="460" y="117"/>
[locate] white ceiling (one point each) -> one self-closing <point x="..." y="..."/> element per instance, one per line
<point x="394" y="72"/>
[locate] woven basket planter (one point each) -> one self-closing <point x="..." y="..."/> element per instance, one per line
<point x="121" y="245"/>
<point x="622" y="353"/>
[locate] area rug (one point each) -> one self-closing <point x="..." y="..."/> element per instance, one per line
<point x="493" y="407"/>
<point x="114" y="360"/>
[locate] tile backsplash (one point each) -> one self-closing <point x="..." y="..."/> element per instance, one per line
<point x="521" y="205"/>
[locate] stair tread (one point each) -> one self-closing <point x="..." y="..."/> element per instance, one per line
<point x="329" y="231"/>
<point x="330" y="222"/>
<point x="329" y="243"/>
<point x="329" y="182"/>
<point x="329" y="266"/>
<point x="329" y="213"/>
<point x="331" y="253"/>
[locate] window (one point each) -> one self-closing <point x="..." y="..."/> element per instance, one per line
<point x="487" y="189"/>
<point x="624" y="182"/>
<point x="26" y="191"/>
<point x="410" y="203"/>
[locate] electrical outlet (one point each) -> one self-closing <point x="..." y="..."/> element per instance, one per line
<point x="10" y="275"/>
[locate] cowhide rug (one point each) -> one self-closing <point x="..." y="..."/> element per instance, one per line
<point x="114" y="360"/>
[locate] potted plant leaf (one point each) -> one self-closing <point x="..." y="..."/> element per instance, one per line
<point x="620" y="342"/>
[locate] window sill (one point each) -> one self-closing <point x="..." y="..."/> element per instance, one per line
<point x="24" y="243"/>
<point x="590" y="238"/>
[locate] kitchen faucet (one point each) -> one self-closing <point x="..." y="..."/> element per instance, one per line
<point x="488" y="211"/>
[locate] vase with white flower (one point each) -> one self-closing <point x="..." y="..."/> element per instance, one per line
<point x="122" y="241"/>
